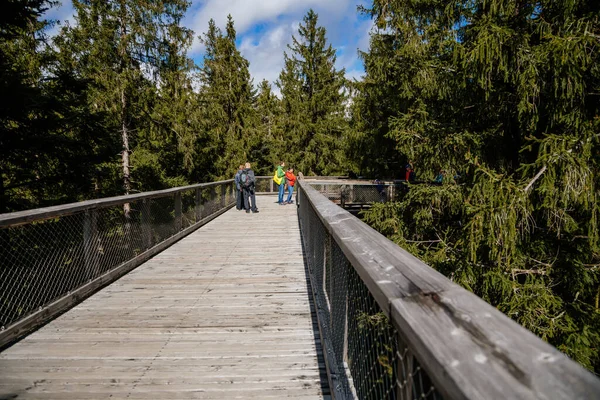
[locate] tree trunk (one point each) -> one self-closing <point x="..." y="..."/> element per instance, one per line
<point x="125" y="153"/>
<point x="124" y="127"/>
<point x="3" y="205"/>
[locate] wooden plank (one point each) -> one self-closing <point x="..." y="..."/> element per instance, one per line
<point x="223" y="313"/>
<point x="25" y="325"/>
<point x="470" y="349"/>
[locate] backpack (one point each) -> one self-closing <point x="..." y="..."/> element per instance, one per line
<point x="244" y="180"/>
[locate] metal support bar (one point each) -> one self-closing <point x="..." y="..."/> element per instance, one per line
<point x="90" y="238"/>
<point x="223" y="195"/>
<point x="146" y="224"/>
<point x="178" y="219"/>
<point x="199" y="205"/>
<point x="405" y="369"/>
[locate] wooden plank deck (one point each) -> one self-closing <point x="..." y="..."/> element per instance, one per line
<point x="222" y="314"/>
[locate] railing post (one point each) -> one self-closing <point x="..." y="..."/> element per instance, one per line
<point x="146" y="224"/>
<point x="351" y="199"/>
<point x="404" y="377"/>
<point x="271" y="186"/>
<point x="223" y="195"/>
<point x="343" y="196"/>
<point x="90" y="234"/>
<point x="198" y="204"/>
<point x="390" y="193"/>
<point x="178" y="221"/>
<point x="326" y="269"/>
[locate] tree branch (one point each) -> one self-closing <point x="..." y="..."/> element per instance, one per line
<point x="528" y="271"/>
<point x="535" y="178"/>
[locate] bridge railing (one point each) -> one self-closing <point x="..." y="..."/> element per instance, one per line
<point x="394" y="328"/>
<point x="52" y="258"/>
<point x="355" y="192"/>
<point x="266" y="185"/>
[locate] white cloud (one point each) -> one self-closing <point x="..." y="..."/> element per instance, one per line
<point x="278" y="21"/>
<point x="247" y="13"/>
<point x="265" y="52"/>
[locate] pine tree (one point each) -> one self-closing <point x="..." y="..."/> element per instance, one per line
<point x="47" y="141"/>
<point x="314" y="102"/>
<point x="228" y="96"/>
<point x="166" y="152"/>
<point x="122" y="47"/>
<point x="501" y="96"/>
<point x="268" y="145"/>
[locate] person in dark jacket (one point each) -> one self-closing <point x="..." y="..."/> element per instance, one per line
<point x="248" y="189"/>
<point x="239" y="195"/>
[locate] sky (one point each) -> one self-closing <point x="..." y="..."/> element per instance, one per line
<point x="265" y="28"/>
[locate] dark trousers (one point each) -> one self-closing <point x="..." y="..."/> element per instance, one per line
<point x="239" y="199"/>
<point x="249" y="197"/>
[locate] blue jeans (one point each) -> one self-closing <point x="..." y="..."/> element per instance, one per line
<point x="281" y="192"/>
<point x="290" y="192"/>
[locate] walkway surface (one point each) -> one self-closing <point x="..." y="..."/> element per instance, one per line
<point x="222" y="314"/>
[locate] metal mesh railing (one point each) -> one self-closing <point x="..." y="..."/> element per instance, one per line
<point x="357" y="193"/>
<point x="364" y="353"/>
<point x="394" y="328"/>
<point x="51" y="253"/>
<point x="265" y="184"/>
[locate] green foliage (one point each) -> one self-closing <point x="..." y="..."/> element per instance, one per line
<point x="503" y="96"/>
<point x="48" y="142"/>
<point x="228" y="95"/>
<point x="314" y="101"/>
<point x="112" y="104"/>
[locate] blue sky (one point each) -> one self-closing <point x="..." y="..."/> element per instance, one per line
<point x="265" y="27"/>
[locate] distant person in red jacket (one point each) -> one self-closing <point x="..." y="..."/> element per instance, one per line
<point x="290" y="180"/>
<point x="410" y="172"/>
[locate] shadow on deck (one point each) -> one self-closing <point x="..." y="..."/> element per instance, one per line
<point x="223" y="313"/>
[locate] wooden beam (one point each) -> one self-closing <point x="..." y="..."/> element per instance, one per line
<point x="40" y="214"/>
<point x="470" y="349"/>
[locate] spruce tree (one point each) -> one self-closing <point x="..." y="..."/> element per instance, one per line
<point x="314" y="102"/>
<point x="122" y="46"/>
<point x="268" y="145"/>
<point x="47" y="141"/>
<point x="501" y="96"/>
<point x="227" y="96"/>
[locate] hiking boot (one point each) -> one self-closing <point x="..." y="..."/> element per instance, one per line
<point x="255" y="211"/>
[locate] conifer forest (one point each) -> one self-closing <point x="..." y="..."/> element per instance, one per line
<point x="503" y="96"/>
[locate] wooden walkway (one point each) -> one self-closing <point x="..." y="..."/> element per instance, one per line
<point x="223" y="314"/>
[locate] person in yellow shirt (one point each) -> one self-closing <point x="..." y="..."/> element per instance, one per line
<point x="281" y="176"/>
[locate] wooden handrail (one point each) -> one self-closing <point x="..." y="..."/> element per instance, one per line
<point x="38" y="214"/>
<point x="470" y="349"/>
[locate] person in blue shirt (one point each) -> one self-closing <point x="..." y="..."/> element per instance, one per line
<point x="440" y="177"/>
<point x="239" y="196"/>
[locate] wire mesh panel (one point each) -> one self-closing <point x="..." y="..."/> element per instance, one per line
<point x="382" y="367"/>
<point x="50" y="256"/>
<point x="188" y="208"/>
<point x="333" y="191"/>
<point x="265" y="184"/>
<point x="368" y="193"/>
<point x="356" y="193"/>
<point x="366" y="358"/>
